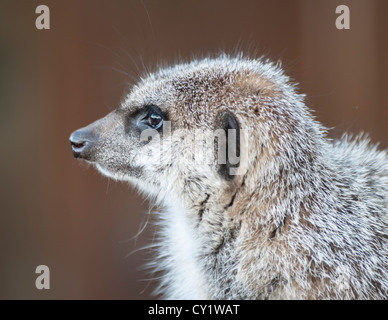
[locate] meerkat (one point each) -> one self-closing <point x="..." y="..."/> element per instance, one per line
<point x="301" y="216"/>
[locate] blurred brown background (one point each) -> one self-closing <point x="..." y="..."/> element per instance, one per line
<point x="57" y="212"/>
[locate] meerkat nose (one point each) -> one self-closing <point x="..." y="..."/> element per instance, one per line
<point x="79" y="142"/>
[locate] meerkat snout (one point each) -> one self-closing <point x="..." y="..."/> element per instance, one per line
<point x="79" y="143"/>
<point x="256" y="201"/>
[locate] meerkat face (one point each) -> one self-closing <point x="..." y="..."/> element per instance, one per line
<point x="174" y="130"/>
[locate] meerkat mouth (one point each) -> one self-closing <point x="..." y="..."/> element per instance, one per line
<point x="130" y="174"/>
<point x="77" y="147"/>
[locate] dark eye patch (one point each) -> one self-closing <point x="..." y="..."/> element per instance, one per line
<point x="150" y="117"/>
<point x="153" y="110"/>
<point x="147" y="117"/>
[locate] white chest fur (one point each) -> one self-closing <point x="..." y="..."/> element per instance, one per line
<point x="184" y="280"/>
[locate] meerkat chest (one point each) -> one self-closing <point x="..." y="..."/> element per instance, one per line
<point x="185" y="277"/>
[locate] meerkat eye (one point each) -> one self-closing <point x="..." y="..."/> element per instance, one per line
<point x="154" y="120"/>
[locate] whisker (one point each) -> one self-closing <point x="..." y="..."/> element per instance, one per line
<point x="152" y="30"/>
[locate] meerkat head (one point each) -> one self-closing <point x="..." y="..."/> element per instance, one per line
<point x="190" y="130"/>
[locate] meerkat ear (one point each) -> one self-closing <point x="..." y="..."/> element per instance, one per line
<point x="227" y="144"/>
